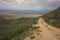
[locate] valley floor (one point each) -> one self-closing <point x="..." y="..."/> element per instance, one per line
<point x="47" y="32"/>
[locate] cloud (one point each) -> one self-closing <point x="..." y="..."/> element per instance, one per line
<point x="32" y="4"/>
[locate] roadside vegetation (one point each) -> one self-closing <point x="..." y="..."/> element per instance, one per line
<point x="53" y="18"/>
<point x="16" y="29"/>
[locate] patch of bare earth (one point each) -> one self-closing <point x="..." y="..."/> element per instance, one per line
<point x="45" y="32"/>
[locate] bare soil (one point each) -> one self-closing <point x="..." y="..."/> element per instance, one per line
<point x="46" y="32"/>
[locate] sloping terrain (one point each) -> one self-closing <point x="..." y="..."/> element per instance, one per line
<point x="45" y="32"/>
<point x="16" y="29"/>
<point x="49" y="27"/>
<point x="53" y="18"/>
<point x="13" y="29"/>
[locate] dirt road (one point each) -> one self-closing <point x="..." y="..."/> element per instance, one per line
<point x="47" y="32"/>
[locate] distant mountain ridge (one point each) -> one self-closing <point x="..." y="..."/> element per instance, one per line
<point x="26" y="11"/>
<point x="20" y="11"/>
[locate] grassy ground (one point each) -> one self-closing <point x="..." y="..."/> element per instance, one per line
<point x="16" y="29"/>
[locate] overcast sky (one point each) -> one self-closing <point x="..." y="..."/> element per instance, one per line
<point x="29" y="4"/>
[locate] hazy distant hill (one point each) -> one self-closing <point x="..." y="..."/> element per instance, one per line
<point x="15" y="16"/>
<point x="18" y="13"/>
<point x="53" y="18"/>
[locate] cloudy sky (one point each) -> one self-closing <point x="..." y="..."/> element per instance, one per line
<point x="29" y="4"/>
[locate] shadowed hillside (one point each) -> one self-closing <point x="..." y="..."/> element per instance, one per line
<point x="53" y="18"/>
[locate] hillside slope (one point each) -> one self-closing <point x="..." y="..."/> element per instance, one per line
<point x="15" y="29"/>
<point x="53" y="18"/>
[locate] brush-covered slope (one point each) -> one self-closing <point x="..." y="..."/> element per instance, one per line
<point x="53" y="18"/>
<point x="15" y="29"/>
